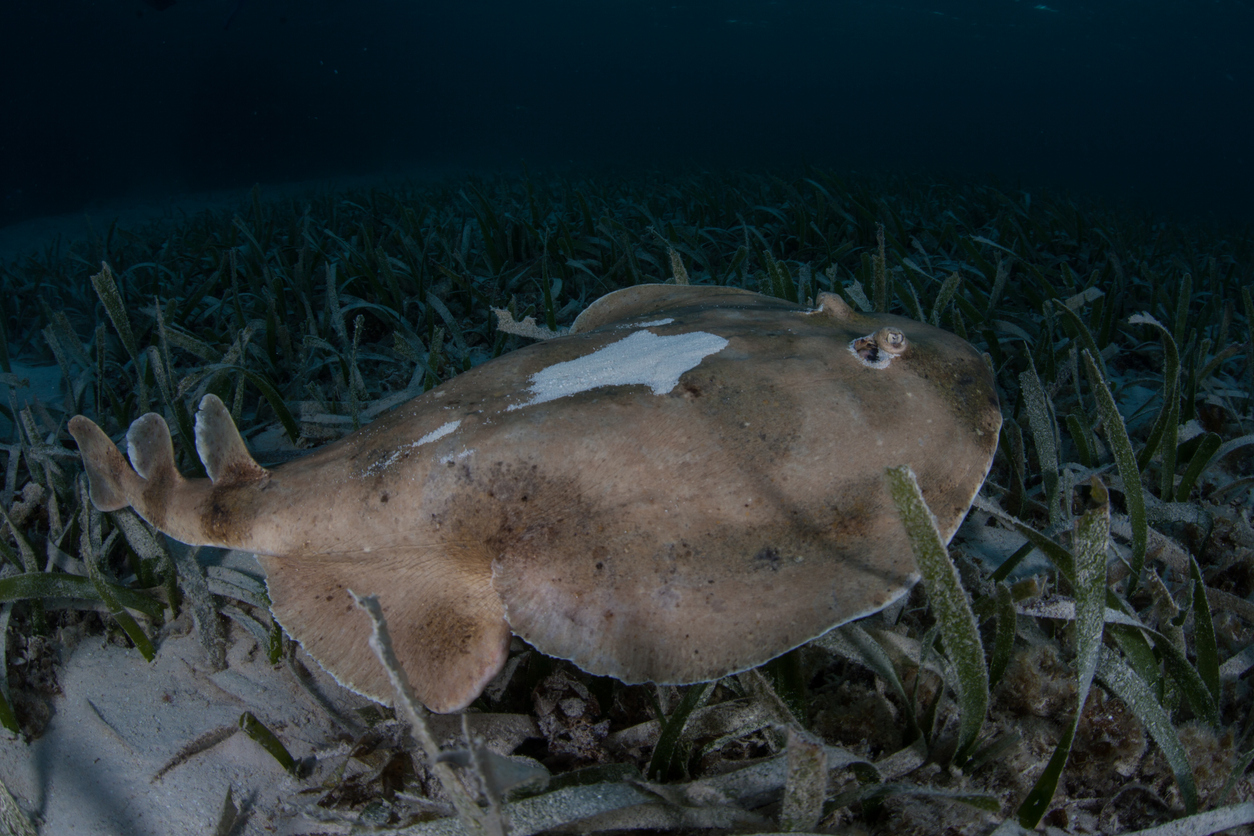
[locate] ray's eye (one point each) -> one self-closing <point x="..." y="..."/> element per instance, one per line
<point x="890" y="340"/>
<point x="877" y="350"/>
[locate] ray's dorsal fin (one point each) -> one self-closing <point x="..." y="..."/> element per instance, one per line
<point x="151" y="450"/>
<point x="221" y="449"/>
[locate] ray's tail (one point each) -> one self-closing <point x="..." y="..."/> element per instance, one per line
<point x="447" y="622"/>
<point x="151" y="483"/>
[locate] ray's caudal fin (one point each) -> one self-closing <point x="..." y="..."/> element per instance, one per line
<point x="152" y="484"/>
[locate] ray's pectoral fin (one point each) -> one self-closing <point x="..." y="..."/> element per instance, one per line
<point x="446" y="622"/>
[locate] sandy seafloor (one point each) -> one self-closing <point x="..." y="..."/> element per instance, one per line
<point x="119" y="720"/>
<point x="36" y="234"/>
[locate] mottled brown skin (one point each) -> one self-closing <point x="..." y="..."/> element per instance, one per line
<point x="672" y="537"/>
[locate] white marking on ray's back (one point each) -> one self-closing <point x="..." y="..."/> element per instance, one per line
<point x="454" y="457"/>
<point x="438" y="433"/>
<point x="644" y="358"/>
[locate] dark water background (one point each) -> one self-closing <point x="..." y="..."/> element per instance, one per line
<point x="1144" y="103"/>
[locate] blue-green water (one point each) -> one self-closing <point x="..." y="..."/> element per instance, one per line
<point x="1149" y="103"/>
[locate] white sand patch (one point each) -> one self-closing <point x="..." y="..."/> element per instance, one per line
<point x="644" y="358"/>
<point x="121" y="719"/>
<point x="31" y="383"/>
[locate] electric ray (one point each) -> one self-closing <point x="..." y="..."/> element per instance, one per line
<point x="689" y="483"/>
